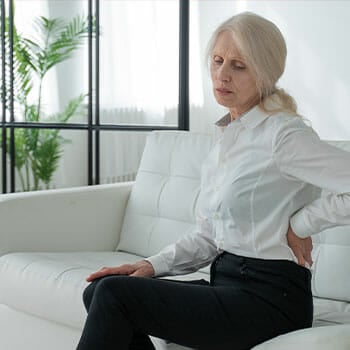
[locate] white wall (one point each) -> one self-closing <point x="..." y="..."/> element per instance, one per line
<point x="318" y="64"/>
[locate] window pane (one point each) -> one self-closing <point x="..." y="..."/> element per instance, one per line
<point x="50" y="158"/>
<point x="120" y="155"/>
<point x="55" y="83"/>
<point x="139" y="61"/>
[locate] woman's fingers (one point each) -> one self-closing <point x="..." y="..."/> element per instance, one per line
<point x="141" y="268"/>
<point x="301" y="247"/>
<point x="100" y="273"/>
<point x="299" y="254"/>
<point x="104" y="271"/>
<point x="308" y="248"/>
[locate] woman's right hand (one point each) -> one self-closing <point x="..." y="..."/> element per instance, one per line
<point x="301" y="247"/>
<point x="141" y="268"/>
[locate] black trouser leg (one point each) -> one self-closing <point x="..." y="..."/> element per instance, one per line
<point x="139" y="341"/>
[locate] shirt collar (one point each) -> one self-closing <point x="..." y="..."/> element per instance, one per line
<point x="250" y="119"/>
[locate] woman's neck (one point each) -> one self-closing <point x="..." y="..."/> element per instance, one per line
<point x="237" y="112"/>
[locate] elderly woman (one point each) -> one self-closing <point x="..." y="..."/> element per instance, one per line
<point x="254" y="219"/>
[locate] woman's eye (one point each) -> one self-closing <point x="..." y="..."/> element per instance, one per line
<point x="239" y="67"/>
<point x="217" y="60"/>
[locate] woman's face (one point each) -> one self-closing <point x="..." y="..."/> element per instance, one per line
<point x="234" y="84"/>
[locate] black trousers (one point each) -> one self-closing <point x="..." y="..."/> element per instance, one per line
<point x="247" y="301"/>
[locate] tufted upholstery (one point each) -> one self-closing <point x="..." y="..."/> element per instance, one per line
<point x="162" y="204"/>
<point x="331" y="269"/>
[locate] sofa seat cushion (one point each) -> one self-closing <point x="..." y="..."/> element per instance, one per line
<point x="32" y="333"/>
<point x="319" y="338"/>
<point x="330" y="312"/>
<point x="50" y="285"/>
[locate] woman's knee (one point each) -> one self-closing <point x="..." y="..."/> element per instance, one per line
<point x="110" y="289"/>
<point x="89" y="293"/>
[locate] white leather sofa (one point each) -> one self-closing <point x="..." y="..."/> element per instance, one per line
<point x="51" y="240"/>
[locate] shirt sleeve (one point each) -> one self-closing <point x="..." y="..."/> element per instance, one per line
<point x="301" y="155"/>
<point x="188" y="254"/>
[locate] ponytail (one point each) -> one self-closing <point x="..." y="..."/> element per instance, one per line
<point x="279" y="101"/>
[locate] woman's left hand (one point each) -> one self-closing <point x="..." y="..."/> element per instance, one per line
<point x="301" y="247"/>
<point x="141" y="268"/>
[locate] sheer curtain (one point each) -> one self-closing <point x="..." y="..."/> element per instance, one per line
<point x="24" y="14"/>
<point x="139" y="61"/>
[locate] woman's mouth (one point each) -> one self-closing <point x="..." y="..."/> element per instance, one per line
<point x="223" y="91"/>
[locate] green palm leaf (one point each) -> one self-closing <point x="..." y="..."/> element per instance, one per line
<point x="74" y="107"/>
<point x="55" y="40"/>
<point x="47" y="155"/>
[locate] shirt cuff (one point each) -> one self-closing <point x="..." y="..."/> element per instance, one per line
<point x="159" y="265"/>
<point x="299" y="226"/>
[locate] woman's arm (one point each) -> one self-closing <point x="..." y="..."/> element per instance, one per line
<point x="301" y="155"/>
<point x="188" y="254"/>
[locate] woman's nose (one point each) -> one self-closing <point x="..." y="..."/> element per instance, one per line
<point x="224" y="73"/>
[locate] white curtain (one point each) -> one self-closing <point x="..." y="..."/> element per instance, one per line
<point x="24" y="13"/>
<point x="139" y="60"/>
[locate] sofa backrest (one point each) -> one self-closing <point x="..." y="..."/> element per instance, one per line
<point x="331" y="255"/>
<point x="162" y="205"/>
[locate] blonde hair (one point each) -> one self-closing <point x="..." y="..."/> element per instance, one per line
<point x="264" y="50"/>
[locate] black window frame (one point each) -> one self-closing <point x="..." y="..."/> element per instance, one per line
<point x="93" y="126"/>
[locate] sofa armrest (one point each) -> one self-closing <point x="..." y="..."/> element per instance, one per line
<point x="76" y="219"/>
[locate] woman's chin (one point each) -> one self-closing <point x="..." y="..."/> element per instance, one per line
<point x="224" y="101"/>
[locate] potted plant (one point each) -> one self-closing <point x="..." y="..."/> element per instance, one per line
<point x="38" y="151"/>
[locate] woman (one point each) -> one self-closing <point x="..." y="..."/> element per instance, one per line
<point x="254" y="223"/>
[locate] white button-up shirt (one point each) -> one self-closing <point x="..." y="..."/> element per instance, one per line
<point x="263" y="174"/>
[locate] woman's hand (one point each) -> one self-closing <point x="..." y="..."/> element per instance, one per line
<point x="301" y="247"/>
<point x="141" y="268"/>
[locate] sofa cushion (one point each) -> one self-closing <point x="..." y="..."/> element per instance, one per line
<point x="330" y="312"/>
<point x="331" y="266"/>
<point x="32" y="333"/>
<point x="320" y="338"/>
<point x="162" y="204"/>
<point x="50" y="285"/>
<point x="330" y="271"/>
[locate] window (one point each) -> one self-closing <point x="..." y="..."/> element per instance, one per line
<point x="83" y="118"/>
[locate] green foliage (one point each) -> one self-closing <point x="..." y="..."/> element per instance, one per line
<point x="38" y="151"/>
